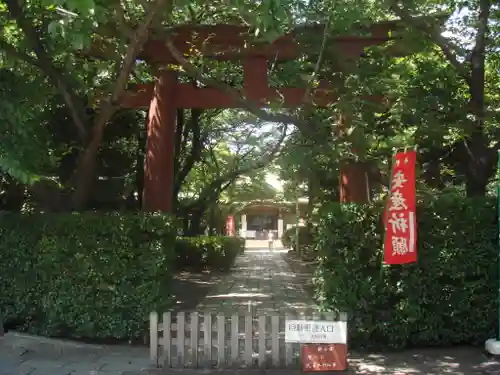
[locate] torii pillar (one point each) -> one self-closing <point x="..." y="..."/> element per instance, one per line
<point x="354" y="176"/>
<point x="158" y="188"/>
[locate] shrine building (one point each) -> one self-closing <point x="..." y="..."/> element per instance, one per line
<point x="258" y="218"/>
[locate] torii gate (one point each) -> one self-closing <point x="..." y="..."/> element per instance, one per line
<point x="229" y="42"/>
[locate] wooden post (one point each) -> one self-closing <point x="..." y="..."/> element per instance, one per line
<point x="354" y="178"/>
<point x="354" y="183"/>
<point x="255" y="79"/>
<point x="160" y="145"/>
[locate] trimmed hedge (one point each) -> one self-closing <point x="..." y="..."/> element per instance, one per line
<point x="448" y="297"/>
<point x="207" y="252"/>
<point x="85" y="275"/>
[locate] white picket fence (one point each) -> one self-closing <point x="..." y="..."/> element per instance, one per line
<point x="208" y="340"/>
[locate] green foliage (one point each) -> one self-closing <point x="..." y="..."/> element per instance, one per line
<point x="248" y="189"/>
<point x="289" y="238"/>
<point x="427" y="98"/>
<point x="448" y="297"/>
<point x="207" y="252"/>
<point x="22" y="142"/>
<point x="85" y="276"/>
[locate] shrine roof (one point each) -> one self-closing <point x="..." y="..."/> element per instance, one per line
<point x="267" y="203"/>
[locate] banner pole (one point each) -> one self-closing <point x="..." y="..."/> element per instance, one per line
<point x="498" y="244"/>
<point x="386" y="212"/>
<point x="492" y="346"/>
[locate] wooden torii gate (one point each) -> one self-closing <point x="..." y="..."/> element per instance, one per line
<point x="229" y="42"/>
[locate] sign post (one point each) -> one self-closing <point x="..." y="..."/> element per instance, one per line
<point x="323" y="343"/>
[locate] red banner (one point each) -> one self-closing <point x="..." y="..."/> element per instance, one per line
<point x="230" y="226"/>
<point x="400" y="220"/>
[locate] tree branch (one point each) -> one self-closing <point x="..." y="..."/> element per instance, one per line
<point x="482" y="30"/>
<point x="47" y="66"/>
<point x="122" y="23"/>
<point x="478" y="58"/>
<point x="140" y="36"/>
<point x="319" y="61"/>
<point x="435" y="33"/>
<point x="214" y="187"/>
<point x="9" y="49"/>
<point x="196" y="149"/>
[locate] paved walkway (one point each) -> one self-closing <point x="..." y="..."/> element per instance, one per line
<point x="436" y="361"/>
<point x="30" y="355"/>
<point x="262" y="282"/>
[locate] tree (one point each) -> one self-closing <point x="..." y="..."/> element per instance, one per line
<point x="469" y="59"/>
<point x="34" y="21"/>
<point x="430" y="104"/>
<point x="50" y="42"/>
<point x="235" y="146"/>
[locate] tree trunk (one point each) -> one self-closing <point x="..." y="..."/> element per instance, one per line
<point x="431" y="173"/>
<point x="85" y="170"/>
<point x="211" y="221"/>
<point x="13" y="196"/>
<point x="195" y="219"/>
<point x="185" y="225"/>
<point x="480" y="166"/>
<point x="310" y="195"/>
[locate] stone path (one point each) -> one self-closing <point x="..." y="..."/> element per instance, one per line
<point x="262" y="282"/>
<point x="24" y="355"/>
<point x="436" y="361"/>
<point x="29" y="355"/>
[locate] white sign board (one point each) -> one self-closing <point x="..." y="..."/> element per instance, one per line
<point x="315" y="332"/>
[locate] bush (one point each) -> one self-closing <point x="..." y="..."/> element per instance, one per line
<point x="286" y="237"/>
<point x="207" y="252"/>
<point x="448" y="297"/>
<point x="306" y="238"/>
<point x="84" y="275"/>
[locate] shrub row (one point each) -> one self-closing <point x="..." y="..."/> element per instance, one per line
<point x="448" y="297"/>
<point x="207" y="252"/>
<point x="85" y="275"/>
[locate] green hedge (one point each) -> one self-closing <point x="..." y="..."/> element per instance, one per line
<point x="85" y="275"/>
<point x="207" y="252"/>
<point x="448" y="297"/>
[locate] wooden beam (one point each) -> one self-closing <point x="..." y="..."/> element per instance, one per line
<point x="283" y="49"/>
<point x="231" y="42"/>
<point x="255" y="77"/>
<point x="188" y="96"/>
